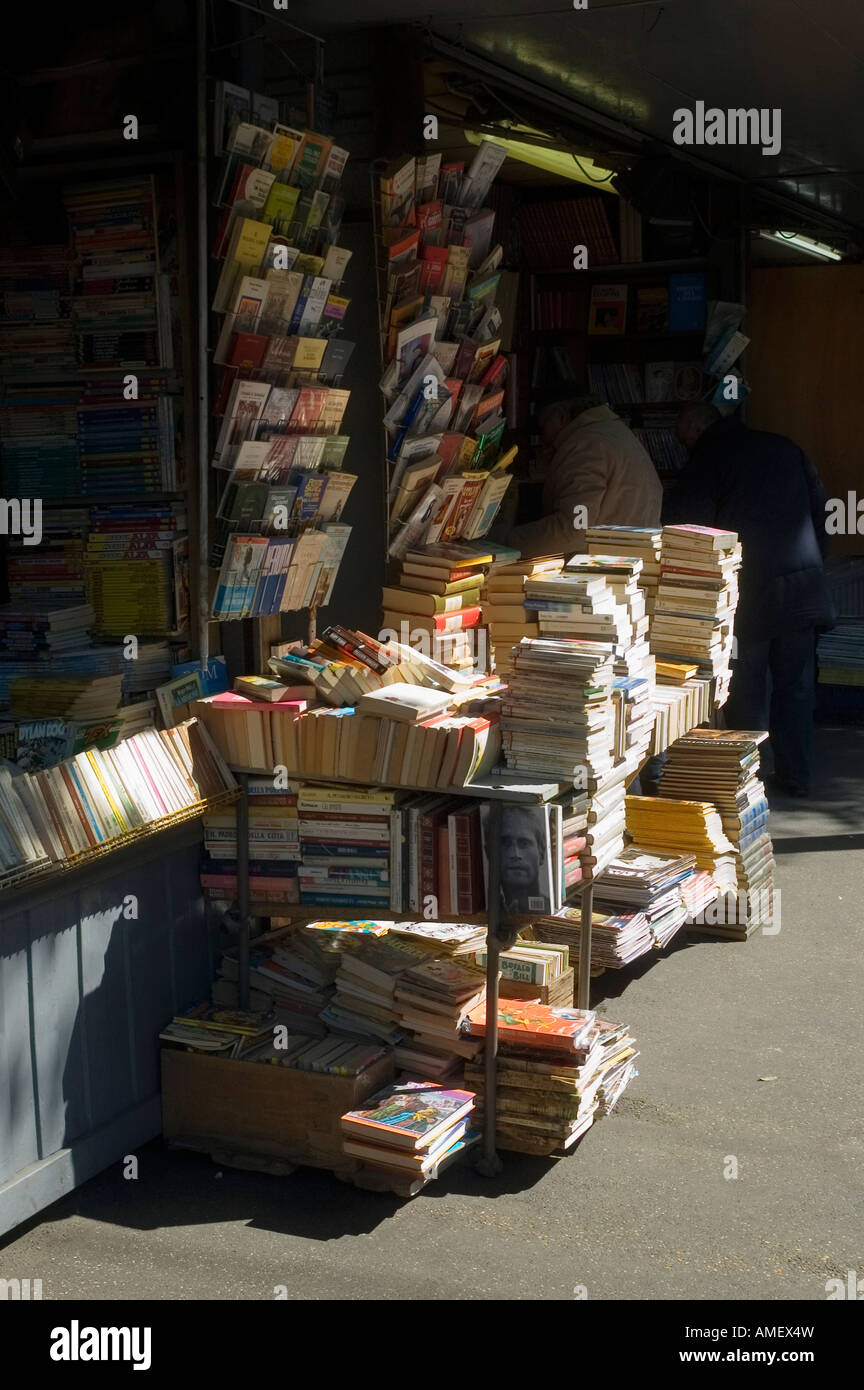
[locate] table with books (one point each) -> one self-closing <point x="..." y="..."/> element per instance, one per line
<point x="498" y="790"/>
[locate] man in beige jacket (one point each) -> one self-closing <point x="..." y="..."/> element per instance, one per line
<point x="597" y="474"/>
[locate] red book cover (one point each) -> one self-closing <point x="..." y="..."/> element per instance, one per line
<point x="445" y="907"/>
<point x="428" y="219"/>
<point x="231" y="700"/>
<point x="248" y="349"/>
<point x="448" y="450"/>
<point x="227" y="378"/>
<point x="486" y="409"/>
<point x="469" y="862"/>
<point x="461" y="512"/>
<point x="491" y="376"/>
<point x="433" y="261"/>
<point x="307" y="411"/>
<point x="452" y="622"/>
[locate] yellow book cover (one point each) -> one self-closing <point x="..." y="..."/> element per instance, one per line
<point x="309" y="354"/>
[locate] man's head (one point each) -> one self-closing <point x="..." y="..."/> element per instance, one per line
<point x="521" y="850"/>
<point x="693" y="420"/>
<point x="556" y="410"/>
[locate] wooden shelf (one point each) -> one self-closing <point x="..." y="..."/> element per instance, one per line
<point x="630" y="268"/>
<point x="503" y="786"/>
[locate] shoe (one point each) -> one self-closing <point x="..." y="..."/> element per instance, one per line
<point x="787" y="788"/>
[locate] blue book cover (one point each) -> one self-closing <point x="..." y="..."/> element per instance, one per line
<point x="687" y="302"/>
<point x="213" y="680"/>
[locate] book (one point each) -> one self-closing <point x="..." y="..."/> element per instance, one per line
<point x="407" y="703"/>
<point x="408" y="1116"/>
<point x="687" y="302"/>
<point x="608" y="309"/>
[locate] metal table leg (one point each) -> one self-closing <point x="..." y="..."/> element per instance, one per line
<point x="243" y="891"/>
<point x="489" y="1165"/>
<point x="583" y="996"/>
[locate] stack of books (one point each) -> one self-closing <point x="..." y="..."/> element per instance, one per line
<point x="274" y="847"/>
<point x="696" y="600"/>
<point x="679" y="706"/>
<point x="596" y="600"/>
<point x="433" y="1000"/>
<point x="84" y="700"/>
<point x="634" y="664"/>
<point x="410" y="1132"/>
<point x="557" y="716"/>
<point x="644" y="542"/>
<point x="699" y="893"/>
<point x="294" y="971"/>
<point x="616" y="937"/>
<point x="35" y="324"/>
<point x="45" y="742"/>
<point x="658" y="825"/>
<point x="725" y="765"/>
<point x="38" y="438"/>
<point x="604" y="834"/>
<point x="288" y="982"/>
<point x="616" y="1066"/>
<point x="350" y="842"/>
<point x="450" y="938"/>
<point x="43" y="629"/>
<point x="651" y="883"/>
<point x="369" y="970"/>
<point x="840" y="653"/>
<point x="436" y="604"/>
<point x="119" y="310"/>
<point x="216" y="1030"/>
<point x="502" y="601"/>
<point x="126" y="446"/>
<point x="572" y="835"/>
<point x="136" y="568"/>
<point x="536" y="970"/>
<point x="551" y="1066"/>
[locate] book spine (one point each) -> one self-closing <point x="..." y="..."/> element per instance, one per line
<point x="428" y="857"/>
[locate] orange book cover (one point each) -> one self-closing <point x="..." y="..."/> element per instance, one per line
<point x="535" y="1025"/>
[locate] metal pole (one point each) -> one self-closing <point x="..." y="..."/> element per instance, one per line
<point x="490" y="1164"/>
<point x="583" y="996"/>
<point x="243" y="891"/>
<point x="203" y="633"/>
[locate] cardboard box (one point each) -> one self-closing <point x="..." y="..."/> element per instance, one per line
<point x="212" y="1103"/>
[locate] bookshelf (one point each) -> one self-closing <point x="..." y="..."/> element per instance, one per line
<point x="558" y="346"/>
<point x="76" y="432"/>
<point x="502" y="929"/>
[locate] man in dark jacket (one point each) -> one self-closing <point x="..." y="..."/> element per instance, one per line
<point x="765" y="488"/>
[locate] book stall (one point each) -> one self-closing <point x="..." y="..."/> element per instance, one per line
<point x="434" y="831"/>
<point x="452" y="827"/>
<point x="421" y="844"/>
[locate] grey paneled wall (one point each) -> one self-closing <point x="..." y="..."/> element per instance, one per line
<point x="85" y="986"/>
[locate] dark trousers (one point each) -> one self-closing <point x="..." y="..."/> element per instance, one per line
<point x="773" y="688"/>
